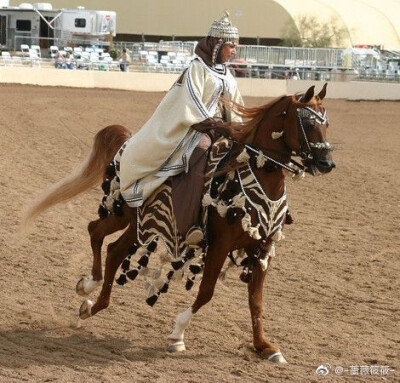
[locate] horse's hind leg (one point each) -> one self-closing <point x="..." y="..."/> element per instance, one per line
<point x="98" y="230"/>
<point x="213" y="264"/>
<point x="255" y="288"/>
<point x="116" y="253"/>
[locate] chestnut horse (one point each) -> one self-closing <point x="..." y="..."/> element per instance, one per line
<point x="290" y="125"/>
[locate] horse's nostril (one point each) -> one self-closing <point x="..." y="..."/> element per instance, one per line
<point x="325" y="165"/>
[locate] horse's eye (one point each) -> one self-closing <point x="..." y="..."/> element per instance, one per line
<point x="308" y="123"/>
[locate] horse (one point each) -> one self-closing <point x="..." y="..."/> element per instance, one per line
<point x="292" y="125"/>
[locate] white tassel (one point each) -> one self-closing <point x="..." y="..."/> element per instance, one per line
<point x="109" y="202"/>
<point x="243" y="157"/>
<point x="207" y="200"/>
<point x="254" y="233"/>
<point x="142" y="251"/>
<point x="178" y="275"/>
<point x="271" y="251"/>
<point x="159" y="283"/>
<point x="278" y="236"/>
<point x="299" y="176"/>
<point x="264" y="263"/>
<point x="156" y="273"/>
<point x="260" y="160"/>
<point x="116" y="194"/>
<point x="276" y="135"/>
<point x="222" y="209"/>
<point x="114" y="185"/>
<point x="151" y="290"/>
<point x="239" y="201"/>
<point x="246" y="222"/>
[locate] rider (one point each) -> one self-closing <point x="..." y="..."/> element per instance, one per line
<point x="167" y="145"/>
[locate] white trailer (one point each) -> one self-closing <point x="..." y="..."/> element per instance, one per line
<point x="40" y="24"/>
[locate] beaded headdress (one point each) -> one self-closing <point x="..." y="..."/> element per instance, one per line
<point x="224" y="30"/>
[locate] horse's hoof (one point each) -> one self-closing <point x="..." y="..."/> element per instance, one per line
<point x="86" y="285"/>
<point x="277" y="357"/>
<point x="85" y="309"/>
<point x="176" y="347"/>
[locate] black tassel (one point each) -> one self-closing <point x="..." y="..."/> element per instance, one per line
<point x="106" y="186"/>
<point x="189" y="284"/>
<point x="152" y="300"/>
<point x="117" y="208"/>
<point x="102" y="212"/>
<point x="246" y="275"/>
<point x="132" y="250"/>
<point x="189" y="255"/>
<point x="132" y="274"/>
<point x="170" y="275"/>
<point x="195" y="269"/>
<point x="288" y="218"/>
<point x="177" y="265"/>
<point x="144" y="260"/>
<point x="245" y="261"/>
<point x="152" y="246"/>
<point x="164" y="289"/>
<point x="121" y="279"/>
<point x="110" y="170"/>
<point x="125" y="265"/>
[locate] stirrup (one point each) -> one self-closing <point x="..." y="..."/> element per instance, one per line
<point x="194" y="236"/>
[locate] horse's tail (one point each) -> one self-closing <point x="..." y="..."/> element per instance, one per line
<point x="106" y="144"/>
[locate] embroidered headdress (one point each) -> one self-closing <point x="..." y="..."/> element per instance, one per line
<point x="224" y="30"/>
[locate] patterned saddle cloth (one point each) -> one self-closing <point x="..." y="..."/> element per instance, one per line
<point x="235" y="195"/>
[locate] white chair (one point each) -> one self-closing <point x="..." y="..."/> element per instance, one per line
<point x="171" y="55"/>
<point x="143" y="55"/>
<point x="53" y="51"/>
<point x="37" y="49"/>
<point x="7" y="59"/>
<point x="154" y="55"/>
<point x="25" y="49"/>
<point x="34" y="58"/>
<point x="78" y="52"/>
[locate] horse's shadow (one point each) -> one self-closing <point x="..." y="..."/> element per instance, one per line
<point x="23" y="348"/>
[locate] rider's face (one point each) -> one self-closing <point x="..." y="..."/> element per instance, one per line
<point x="227" y="52"/>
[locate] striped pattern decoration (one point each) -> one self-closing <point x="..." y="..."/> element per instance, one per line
<point x="269" y="214"/>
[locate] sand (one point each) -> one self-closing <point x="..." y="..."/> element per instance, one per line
<point x="331" y="295"/>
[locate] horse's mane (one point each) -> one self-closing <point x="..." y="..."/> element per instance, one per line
<point x="252" y="116"/>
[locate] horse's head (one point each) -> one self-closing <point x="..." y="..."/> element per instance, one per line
<point x="305" y="131"/>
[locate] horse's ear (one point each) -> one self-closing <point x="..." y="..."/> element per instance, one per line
<point x="308" y="95"/>
<point x="322" y="94"/>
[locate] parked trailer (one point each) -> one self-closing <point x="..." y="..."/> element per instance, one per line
<point x="40" y="24"/>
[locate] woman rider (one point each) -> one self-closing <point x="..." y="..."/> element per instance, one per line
<point x="167" y="145"/>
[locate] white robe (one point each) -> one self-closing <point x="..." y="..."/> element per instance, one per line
<point x="163" y="146"/>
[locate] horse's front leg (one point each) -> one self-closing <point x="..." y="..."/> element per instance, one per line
<point x="116" y="253"/>
<point x="255" y="289"/>
<point x="98" y="230"/>
<point x="214" y="261"/>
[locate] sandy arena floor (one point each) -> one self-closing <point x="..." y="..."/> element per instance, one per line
<point x="331" y="296"/>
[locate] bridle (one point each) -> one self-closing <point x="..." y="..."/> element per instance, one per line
<point x="305" y="152"/>
<point x="306" y="146"/>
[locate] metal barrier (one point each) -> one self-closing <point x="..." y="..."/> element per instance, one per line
<point x="292" y="57"/>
